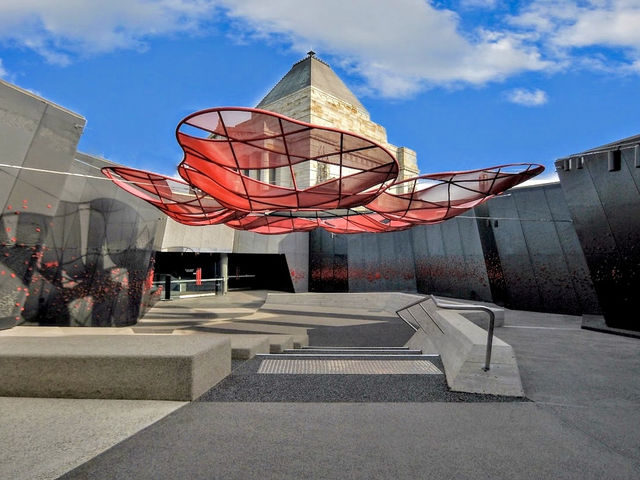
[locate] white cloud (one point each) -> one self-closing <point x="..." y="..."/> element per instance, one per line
<point x="566" y="27"/>
<point x="61" y="29"/>
<point x="527" y="98"/>
<point x="398" y="47"/>
<point x="478" y="3"/>
<point x="3" y="72"/>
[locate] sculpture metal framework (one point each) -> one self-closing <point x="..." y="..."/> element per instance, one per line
<point x="260" y="171"/>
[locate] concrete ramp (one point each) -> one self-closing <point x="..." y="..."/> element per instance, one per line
<point x="462" y="346"/>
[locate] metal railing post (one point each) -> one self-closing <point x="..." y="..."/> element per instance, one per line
<point x="492" y="319"/>
<point x="167" y="287"/>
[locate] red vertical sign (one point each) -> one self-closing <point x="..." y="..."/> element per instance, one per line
<point x="198" y="276"/>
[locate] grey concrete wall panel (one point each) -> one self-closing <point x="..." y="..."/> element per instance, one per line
<point x="424" y="282"/>
<point x="449" y="260"/>
<point x="493" y="266"/>
<point x="20" y="117"/>
<point x="475" y="283"/>
<point x="381" y="262"/>
<point x="177" y="237"/>
<point x="74" y="249"/>
<point x="605" y="207"/>
<point x="545" y="251"/>
<point x="36" y="134"/>
<point x="519" y="277"/>
<point x="542" y="265"/>
<point x="438" y="265"/>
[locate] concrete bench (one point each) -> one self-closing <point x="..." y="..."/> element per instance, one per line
<point x="462" y="347"/>
<point x="149" y="367"/>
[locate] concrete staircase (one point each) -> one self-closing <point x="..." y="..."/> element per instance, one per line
<point x="355" y="352"/>
<point x="350" y="360"/>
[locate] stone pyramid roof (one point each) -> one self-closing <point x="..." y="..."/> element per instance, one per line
<point x="311" y="71"/>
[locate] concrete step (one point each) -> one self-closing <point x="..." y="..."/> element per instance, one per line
<point x="341" y="351"/>
<point x="355" y="356"/>
<point x="314" y="347"/>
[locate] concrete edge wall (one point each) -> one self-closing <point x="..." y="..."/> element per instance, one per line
<point x="462" y="347"/>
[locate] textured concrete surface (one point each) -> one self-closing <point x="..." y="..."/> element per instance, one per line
<point x="41" y="438"/>
<point x="150" y="367"/>
<point x="462" y="346"/>
<point x="245" y="384"/>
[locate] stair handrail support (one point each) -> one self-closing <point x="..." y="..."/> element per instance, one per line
<point x="470" y="307"/>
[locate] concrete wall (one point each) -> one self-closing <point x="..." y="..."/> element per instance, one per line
<point x="176" y="237"/>
<point x="444" y="259"/>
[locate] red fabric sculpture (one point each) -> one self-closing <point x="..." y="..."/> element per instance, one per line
<point x="263" y="172"/>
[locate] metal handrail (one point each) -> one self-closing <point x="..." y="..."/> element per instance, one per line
<point x="482" y="308"/>
<point x="457" y="306"/>
<point x="406" y="307"/>
<point x="406" y="321"/>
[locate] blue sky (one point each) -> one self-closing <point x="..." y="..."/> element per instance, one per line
<point x="465" y="83"/>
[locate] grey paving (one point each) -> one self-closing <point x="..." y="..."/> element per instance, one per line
<point x="360" y="441"/>
<point x="42" y="438"/>
<point x="580" y="423"/>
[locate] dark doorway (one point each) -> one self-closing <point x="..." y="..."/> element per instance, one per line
<point x="259" y="271"/>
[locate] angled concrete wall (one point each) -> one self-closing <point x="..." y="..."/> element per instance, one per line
<point x="34" y="133"/>
<point x="605" y="208"/>
<point x="74" y="249"/>
<point x="536" y="259"/>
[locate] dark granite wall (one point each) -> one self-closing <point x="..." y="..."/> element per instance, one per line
<point x="605" y="207"/>
<point x="519" y="250"/>
<point x="536" y="262"/>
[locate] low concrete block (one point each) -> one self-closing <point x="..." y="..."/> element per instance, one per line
<point x="300" y="341"/>
<point x="243" y="347"/>
<point x="280" y="343"/>
<point x="34" y="331"/>
<point x="146" y="367"/>
<point x="462" y="347"/>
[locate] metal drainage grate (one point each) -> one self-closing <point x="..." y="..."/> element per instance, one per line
<point x="348" y="367"/>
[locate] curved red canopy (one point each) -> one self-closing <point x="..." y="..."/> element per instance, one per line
<point x="175" y="198"/>
<point x="433" y="198"/>
<point x="254" y="161"/>
<point x="263" y="172"/>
